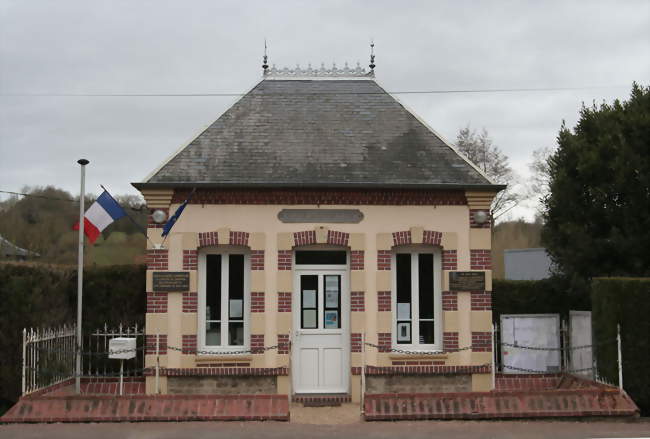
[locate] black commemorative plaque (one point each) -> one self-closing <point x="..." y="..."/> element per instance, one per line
<point x="467" y="281"/>
<point x="171" y="281"/>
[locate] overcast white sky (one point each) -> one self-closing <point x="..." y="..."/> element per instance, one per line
<point x="138" y="46"/>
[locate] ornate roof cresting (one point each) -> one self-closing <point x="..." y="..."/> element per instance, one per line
<point x="334" y="72"/>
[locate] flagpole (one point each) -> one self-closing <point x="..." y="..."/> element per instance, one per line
<point x="80" y="273"/>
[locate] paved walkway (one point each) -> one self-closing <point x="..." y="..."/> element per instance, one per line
<point x="381" y="430"/>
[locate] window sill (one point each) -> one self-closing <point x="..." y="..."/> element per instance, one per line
<point x="220" y="358"/>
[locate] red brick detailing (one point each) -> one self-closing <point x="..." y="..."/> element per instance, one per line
<point x="190" y="259"/>
<point x="482" y="341"/>
<point x="150" y="344"/>
<point x="157" y="259"/>
<point x="356" y="259"/>
<point x="190" y="301"/>
<point x="156" y="302"/>
<point x="284" y="259"/>
<point x="449" y="260"/>
<point x="257" y="343"/>
<point x="338" y="238"/>
<point x="220" y="371"/>
<point x="304" y="238"/>
<point x="208" y="238"/>
<point x="382" y="197"/>
<point x="257" y="301"/>
<point x="310" y="400"/>
<point x="383" y="301"/>
<point x="357" y="301"/>
<point x="426" y="370"/>
<point x="474" y="225"/>
<point x="449" y="301"/>
<point x="383" y="259"/>
<point x="257" y="260"/>
<point x="402" y="238"/>
<point x="356" y="370"/>
<point x="189" y="344"/>
<point x="151" y="224"/>
<point x="431" y="237"/>
<point x="450" y="341"/>
<point x="283" y="343"/>
<point x="239" y="238"/>
<point x="481" y="300"/>
<point x="417" y="363"/>
<point x="355" y="342"/>
<point x="284" y="302"/>
<point x="480" y="259"/>
<point x="384" y="341"/>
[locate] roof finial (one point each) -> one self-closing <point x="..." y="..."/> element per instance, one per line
<point x="372" y="57"/>
<point x="265" y="66"/>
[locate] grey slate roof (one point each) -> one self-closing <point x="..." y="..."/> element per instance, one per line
<point x="318" y="133"/>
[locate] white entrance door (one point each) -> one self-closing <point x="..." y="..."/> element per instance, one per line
<point x="321" y="353"/>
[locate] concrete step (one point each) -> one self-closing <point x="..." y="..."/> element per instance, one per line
<point x="101" y="408"/>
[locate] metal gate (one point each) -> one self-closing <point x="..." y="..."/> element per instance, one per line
<point x="581" y="345"/>
<point x="530" y="343"/>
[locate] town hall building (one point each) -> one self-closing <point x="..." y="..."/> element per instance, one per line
<point x="332" y="244"/>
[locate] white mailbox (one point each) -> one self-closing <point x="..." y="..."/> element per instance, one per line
<point x="121" y="348"/>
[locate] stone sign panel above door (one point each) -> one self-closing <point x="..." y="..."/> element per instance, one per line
<point x="351" y="216"/>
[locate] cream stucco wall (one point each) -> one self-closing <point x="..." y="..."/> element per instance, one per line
<point x="373" y="233"/>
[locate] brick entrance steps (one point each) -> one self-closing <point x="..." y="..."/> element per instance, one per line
<point x="500" y="404"/>
<point x="86" y="408"/>
<point x="321" y="400"/>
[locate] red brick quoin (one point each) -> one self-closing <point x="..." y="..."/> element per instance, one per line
<point x="357" y="301"/>
<point x="257" y="260"/>
<point x="189" y="344"/>
<point x="450" y="301"/>
<point x="450" y="341"/>
<point x="284" y="302"/>
<point x="482" y="341"/>
<point x="283" y="343"/>
<point x="190" y="259"/>
<point x="355" y="342"/>
<point x="190" y="301"/>
<point x="257" y="343"/>
<point x="481" y="300"/>
<point x="480" y="259"/>
<point x="150" y="344"/>
<point x="156" y="303"/>
<point x="257" y="301"/>
<point x="157" y="259"/>
<point x="384" y="341"/>
<point x="383" y="259"/>
<point x="383" y="301"/>
<point x="356" y="259"/>
<point x="284" y="259"/>
<point x="449" y="260"/>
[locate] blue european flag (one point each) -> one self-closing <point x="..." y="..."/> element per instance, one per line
<point x="172" y="220"/>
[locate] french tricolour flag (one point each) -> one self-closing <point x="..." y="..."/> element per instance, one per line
<point x="100" y="215"/>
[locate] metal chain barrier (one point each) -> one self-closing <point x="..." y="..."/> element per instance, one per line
<point x="404" y="351"/>
<point x="521" y="369"/>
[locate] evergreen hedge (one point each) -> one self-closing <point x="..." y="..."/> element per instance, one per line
<point x="624" y="301"/>
<point x="41" y="296"/>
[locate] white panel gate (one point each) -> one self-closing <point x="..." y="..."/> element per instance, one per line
<point x="530" y="343"/>
<point x="580" y="342"/>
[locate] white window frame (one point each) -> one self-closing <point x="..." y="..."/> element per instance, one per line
<point x="201" y="320"/>
<point x="415" y="310"/>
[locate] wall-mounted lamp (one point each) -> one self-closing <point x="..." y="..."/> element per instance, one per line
<point x="480" y="217"/>
<point x="159" y="216"/>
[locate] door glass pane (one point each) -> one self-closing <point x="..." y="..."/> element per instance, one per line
<point x="425" y="283"/>
<point x="236" y="300"/>
<point x="426" y="332"/>
<point x="309" y="301"/>
<point x="213" y="287"/>
<point x="236" y="333"/>
<point x="332" y="312"/>
<point x="403" y="295"/>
